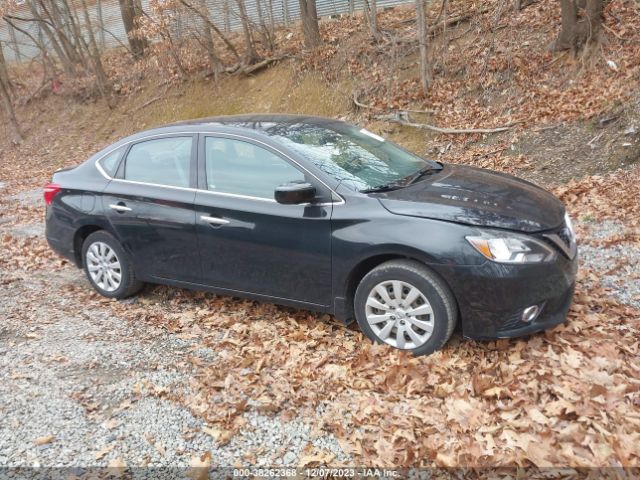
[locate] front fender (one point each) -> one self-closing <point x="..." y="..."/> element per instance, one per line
<point x="365" y="234"/>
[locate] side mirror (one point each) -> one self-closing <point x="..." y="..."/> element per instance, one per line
<point x="295" y="193"/>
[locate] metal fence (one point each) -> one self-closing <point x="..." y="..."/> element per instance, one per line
<point x="107" y="21"/>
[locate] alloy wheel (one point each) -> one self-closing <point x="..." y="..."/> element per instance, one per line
<point x="104" y="266"/>
<point x="399" y="314"/>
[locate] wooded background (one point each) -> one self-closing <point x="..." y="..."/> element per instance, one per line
<point x="110" y="31"/>
<point x="69" y="38"/>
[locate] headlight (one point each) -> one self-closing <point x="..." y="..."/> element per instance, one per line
<point x="569" y="224"/>
<point x="511" y="248"/>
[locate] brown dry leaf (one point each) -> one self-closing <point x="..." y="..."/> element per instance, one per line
<point x="537" y="416"/>
<point x="117" y="467"/>
<point x="161" y="450"/>
<point x="446" y="459"/>
<point x="221" y="436"/>
<point x="112" y="423"/>
<point x="102" y="452"/>
<point x="317" y="458"/>
<point x="200" y="466"/>
<point x="44" y="440"/>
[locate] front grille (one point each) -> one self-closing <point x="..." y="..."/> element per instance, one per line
<point x="512" y="323"/>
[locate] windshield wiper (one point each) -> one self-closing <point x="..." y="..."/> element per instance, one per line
<point x="382" y="188"/>
<point x="404" y="181"/>
<point x="421" y="173"/>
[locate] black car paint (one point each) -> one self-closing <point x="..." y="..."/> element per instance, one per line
<point x="478" y="197"/>
<point x="312" y="256"/>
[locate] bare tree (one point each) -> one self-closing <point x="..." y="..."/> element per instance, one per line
<point x="310" y="26"/>
<point x="94" y="53"/>
<point x="371" y="14"/>
<point x="423" y="41"/>
<point x="265" y="29"/>
<point x="46" y="28"/>
<point x="7" y="103"/>
<point x="577" y="30"/>
<point x="215" y="66"/>
<point x="251" y="56"/>
<point x="213" y="27"/>
<point x="130" y="10"/>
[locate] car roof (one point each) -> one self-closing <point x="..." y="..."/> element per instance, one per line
<point x="253" y="124"/>
<point x="253" y="120"/>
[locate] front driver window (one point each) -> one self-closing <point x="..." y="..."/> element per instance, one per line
<point x="242" y="168"/>
<point x="164" y="161"/>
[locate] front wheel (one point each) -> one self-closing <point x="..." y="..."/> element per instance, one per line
<point x="108" y="267"/>
<point x="405" y="305"/>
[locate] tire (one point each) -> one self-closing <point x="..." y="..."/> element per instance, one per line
<point x="98" y="252"/>
<point x="431" y="316"/>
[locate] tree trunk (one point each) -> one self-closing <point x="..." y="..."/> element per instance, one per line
<point x="423" y="36"/>
<point x="265" y="31"/>
<point x="94" y="53"/>
<point x="207" y="31"/>
<point x="60" y="32"/>
<point x="213" y="27"/>
<point x="5" y="88"/>
<point x="310" y="26"/>
<point x="100" y="19"/>
<point x="594" y="19"/>
<point x="67" y="63"/>
<point x="574" y="32"/>
<point x="4" y="73"/>
<point x="373" y="19"/>
<point x="130" y="9"/>
<point x="569" y="17"/>
<point x="46" y="61"/>
<point x="251" y="56"/>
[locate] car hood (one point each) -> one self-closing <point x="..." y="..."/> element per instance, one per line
<point x="475" y="196"/>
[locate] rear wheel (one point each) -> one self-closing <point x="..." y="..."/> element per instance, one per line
<point x="405" y="305"/>
<point x="108" y="267"/>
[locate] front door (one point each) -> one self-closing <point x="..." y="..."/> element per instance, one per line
<point x="150" y="206"/>
<point x="247" y="241"/>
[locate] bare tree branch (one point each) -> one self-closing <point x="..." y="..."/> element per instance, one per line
<point x="402" y="118"/>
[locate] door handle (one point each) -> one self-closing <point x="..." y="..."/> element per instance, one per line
<point x="120" y="208"/>
<point x="213" y="220"/>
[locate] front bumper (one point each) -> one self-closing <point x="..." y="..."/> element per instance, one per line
<point x="492" y="297"/>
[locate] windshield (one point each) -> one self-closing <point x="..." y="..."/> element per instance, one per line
<point x="355" y="156"/>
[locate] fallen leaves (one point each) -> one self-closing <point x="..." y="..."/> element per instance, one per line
<point x="221" y="436"/>
<point x="567" y="397"/>
<point x="117" y="467"/>
<point x="200" y="465"/>
<point x="104" y="451"/>
<point x="44" y="440"/>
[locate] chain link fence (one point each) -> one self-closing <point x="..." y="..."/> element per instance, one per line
<point x="19" y="40"/>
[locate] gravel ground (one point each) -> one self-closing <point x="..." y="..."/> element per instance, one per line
<point x="80" y="387"/>
<point x="618" y="265"/>
<point x="84" y="385"/>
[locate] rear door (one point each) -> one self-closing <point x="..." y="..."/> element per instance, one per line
<point x="150" y="206"/>
<point x="247" y="241"/>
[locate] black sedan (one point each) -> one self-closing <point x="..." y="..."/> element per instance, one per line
<point x="323" y="215"/>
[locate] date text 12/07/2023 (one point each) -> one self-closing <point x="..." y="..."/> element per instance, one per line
<point x="316" y="472"/>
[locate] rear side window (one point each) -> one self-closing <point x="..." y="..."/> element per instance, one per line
<point x="163" y="161"/>
<point x="110" y="163"/>
<point x="242" y="168"/>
